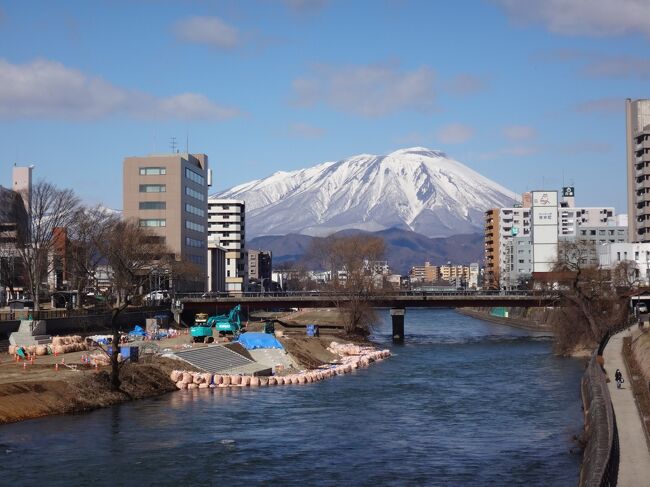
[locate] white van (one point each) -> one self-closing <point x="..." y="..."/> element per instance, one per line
<point x="157" y="297"/>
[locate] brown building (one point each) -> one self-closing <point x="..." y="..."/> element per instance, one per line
<point x="168" y="194"/>
<point x="259" y="264"/>
<point x="451" y="272"/>
<point x="424" y="273"/>
<point x="638" y="169"/>
<point x="492" y="226"/>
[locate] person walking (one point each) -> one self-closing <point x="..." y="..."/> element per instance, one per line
<point x="619" y="378"/>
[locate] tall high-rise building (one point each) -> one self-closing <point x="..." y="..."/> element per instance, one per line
<point x="168" y="194"/>
<point x="638" y="169"/>
<point x="22" y="183"/>
<point x="227" y="230"/>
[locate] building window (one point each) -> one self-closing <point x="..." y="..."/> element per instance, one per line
<point x="153" y="188"/>
<point x="194" y="226"/>
<point x="153" y="171"/>
<point x="194" y="210"/>
<point x="192" y="176"/>
<point x="196" y="259"/>
<point x="153" y="205"/>
<point x="153" y="222"/>
<point x="194" y="194"/>
<point x="192" y="242"/>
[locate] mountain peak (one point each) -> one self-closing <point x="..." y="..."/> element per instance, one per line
<point x="414" y="188"/>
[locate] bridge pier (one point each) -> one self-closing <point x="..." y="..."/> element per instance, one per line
<point x="397" y="316"/>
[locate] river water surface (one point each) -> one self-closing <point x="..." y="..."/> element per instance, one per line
<point x="462" y="402"/>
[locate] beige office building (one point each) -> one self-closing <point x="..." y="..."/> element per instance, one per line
<point x="638" y="169"/>
<point x="168" y="194"/>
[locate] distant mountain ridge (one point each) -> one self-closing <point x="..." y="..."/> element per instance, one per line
<point x="404" y="248"/>
<point x="416" y="189"/>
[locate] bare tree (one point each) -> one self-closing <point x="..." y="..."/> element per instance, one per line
<point x="130" y="252"/>
<point x="90" y="228"/>
<point x="50" y="208"/>
<point x="353" y="257"/>
<point x="591" y="302"/>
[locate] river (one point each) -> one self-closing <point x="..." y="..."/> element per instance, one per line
<point x="462" y="402"/>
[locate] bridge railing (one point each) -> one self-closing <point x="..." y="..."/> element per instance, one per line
<point x="335" y="295"/>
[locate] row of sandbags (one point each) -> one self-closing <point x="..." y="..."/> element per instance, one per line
<point x="204" y="380"/>
<point x="67" y="340"/>
<point x="68" y="344"/>
<point x="348" y="349"/>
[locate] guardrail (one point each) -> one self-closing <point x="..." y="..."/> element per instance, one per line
<point x="49" y="314"/>
<point x="602" y="454"/>
<point x="44" y="314"/>
<point x="330" y="294"/>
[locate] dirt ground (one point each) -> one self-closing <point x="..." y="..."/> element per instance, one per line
<point x="72" y="391"/>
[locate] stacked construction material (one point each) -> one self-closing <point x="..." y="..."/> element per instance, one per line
<point x="68" y="344"/>
<point x="29" y="350"/>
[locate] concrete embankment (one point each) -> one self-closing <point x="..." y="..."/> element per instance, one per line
<point x="600" y="457"/>
<point x="533" y="319"/>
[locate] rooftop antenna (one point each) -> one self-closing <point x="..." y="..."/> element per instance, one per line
<point x="173" y="144"/>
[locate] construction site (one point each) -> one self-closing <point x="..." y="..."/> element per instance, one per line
<point x="43" y="375"/>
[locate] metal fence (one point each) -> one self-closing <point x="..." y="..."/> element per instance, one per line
<point x="379" y="293"/>
<point x="602" y="454"/>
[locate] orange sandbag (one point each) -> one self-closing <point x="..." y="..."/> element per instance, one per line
<point x="192" y="386"/>
<point x="246" y="380"/>
<point x="235" y="380"/>
<point x="181" y="385"/>
<point x="255" y="381"/>
<point x="226" y="380"/>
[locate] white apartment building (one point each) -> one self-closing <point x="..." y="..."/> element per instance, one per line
<point x="638" y="254"/>
<point x="226" y="230"/>
<point x="520" y="241"/>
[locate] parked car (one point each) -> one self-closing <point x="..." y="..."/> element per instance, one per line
<point x="157" y="297"/>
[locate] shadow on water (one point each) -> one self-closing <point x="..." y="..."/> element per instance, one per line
<point x="462" y="402"/>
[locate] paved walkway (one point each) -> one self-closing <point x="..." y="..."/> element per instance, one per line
<point x="634" y="469"/>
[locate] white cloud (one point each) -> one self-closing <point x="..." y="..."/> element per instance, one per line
<point x="367" y="90"/>
<point x="466" y="84"/>
<point x="617" y="67"/>
<point x="519" y="132"/>
<point x="306" y="131"/>
<point x="610" y="105"/>
<point x="48" y="89"/>
<point x="514" y="151"/>
<point x="211" y="31"/>
<point x="582" y="17"/>
<point x="455" y="133"/>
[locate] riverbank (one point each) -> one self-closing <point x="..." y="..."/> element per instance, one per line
<point x="42" y="392"/>
<point x="514" y="318"/>
<point x="66" y="385"/>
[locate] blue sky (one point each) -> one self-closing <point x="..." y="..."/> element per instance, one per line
<point x="527" y="92"/>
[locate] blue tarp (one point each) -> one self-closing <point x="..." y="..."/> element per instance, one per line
<point x="138" y="331"/>
<point x="253" y="340"/>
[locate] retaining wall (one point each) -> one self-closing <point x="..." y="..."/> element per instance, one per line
<point x="86" y="324"/>
<point x="601" y="455"/>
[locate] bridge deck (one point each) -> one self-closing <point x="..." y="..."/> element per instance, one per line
<point x="397" y="300"/>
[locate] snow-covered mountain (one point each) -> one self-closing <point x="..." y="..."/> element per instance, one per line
<point x="416" y="188"/>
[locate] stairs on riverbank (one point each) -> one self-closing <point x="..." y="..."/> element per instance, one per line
<point x="219" y="359"/>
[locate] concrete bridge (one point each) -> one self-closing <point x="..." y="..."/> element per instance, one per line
<point x="211" y="303"/>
